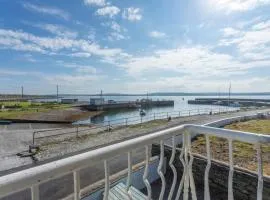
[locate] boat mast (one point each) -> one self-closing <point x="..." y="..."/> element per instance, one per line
<point x="229" y="98"/>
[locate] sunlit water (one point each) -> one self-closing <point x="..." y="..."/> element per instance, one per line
<point x="180" y="105"/>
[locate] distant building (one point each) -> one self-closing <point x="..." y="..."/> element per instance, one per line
<point x="111" y="102"/>
<point x="69" y="101"/>
<point x="96" y="101"/>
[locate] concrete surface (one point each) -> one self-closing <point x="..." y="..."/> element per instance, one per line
<point x="14" y="141"/>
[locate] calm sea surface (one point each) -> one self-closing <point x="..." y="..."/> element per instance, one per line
<point x="180" y="104"/>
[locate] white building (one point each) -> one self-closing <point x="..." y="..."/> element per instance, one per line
<point x="97" y="101"/>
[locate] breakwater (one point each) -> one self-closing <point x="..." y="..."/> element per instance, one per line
<point x="231" y="101"/>
<point x="129" y="104"/>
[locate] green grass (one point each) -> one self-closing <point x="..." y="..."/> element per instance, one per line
<point x="150" y="124"/>
<point x="244" y="153"/>
<point x="18" y="109"/>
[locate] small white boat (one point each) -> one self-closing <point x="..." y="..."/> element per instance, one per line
<point x="142" y="112"/>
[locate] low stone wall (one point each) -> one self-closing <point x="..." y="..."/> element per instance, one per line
<point x="244" y="181"/>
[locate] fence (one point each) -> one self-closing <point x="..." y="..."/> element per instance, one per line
<point x="78" y="129"/>
<point x="33" y="177"/>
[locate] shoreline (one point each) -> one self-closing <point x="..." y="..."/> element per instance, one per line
<point x="65" y="116"/>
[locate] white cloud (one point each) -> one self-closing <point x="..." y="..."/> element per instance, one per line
<point x="9" y="72"/>
<point x="201" y="25"/>
<point x="195" y="60"/>
<point x="237" y="5"/>
<point x="73" y="80"/>
<point x="81" y="55"/>
<point x="110" y="11"/>
<point x="18" y="40"/>
<point x="118" y="32"/>
<point x="86" y="70"/>
<point x="95" y="2"/>
<point x="27" y="57"/>
<point x="80" y="69"/>
<point x="230" y="32"/>
<point x="157" y="34"/>
<point x="196" y="84"/>
<point x="252" y="43"/>
<point x="55" y="29"/>
<point x="261" y="25"/>
<point x="247" y="23"/>
<point x="47" y="10"/>
<point x="115" y="26"/>
<point x="132" y="14"/>
<point x="116" y="36"/>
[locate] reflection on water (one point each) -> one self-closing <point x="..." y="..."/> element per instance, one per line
<point x="120" y="115"/>
<point x="97" y="119"/>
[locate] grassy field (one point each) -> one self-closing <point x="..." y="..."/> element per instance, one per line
<point x="12" y="110"/>
<point x="244" y="154"/>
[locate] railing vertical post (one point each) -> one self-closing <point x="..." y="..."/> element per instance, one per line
<point x="173" y="168"/>
<point x="230" y="180"/>
<point x="160" y="170"/>
<point x="107" y="180"/>
<point x="129" y="178"/>
<point x="141" y="119"/>
<point x="167" y="115"/>
<point x="260" y="172"/>
<point x="77" y="185"/>
<point x="154" y="116"/>
<point x="35" y="192"/>
<point x="189" y="112"/>
<point x="77" y="131"/>
<point x="179" y="113"/>
<point x="207" y="169"/>
<point x="181" y="157"/>
<point x="190" y="173"/>
<point x="186" y="177"/>
<point x="126" y="122"/>
<point x="146" y="171"/>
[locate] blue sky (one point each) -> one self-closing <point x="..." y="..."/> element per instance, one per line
<point x="134" y="46"/>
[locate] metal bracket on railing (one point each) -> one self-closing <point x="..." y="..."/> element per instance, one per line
<point x="34" y="137"/>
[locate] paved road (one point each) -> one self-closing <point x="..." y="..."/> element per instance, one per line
<point x="63" y="186"/>
<point x="16" y="138"/>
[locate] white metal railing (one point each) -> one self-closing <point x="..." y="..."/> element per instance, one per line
<point x="33" y="177"/>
